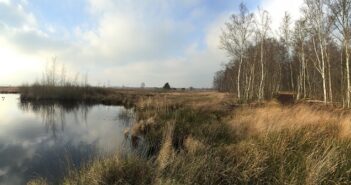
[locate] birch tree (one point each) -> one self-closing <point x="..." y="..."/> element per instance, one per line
<point x="235" y="39"/>
<point x="317" y="16"/>
<point x="300" y="37"/>
<point x="301" y="60"/>
<point x="341" y="10"/>
<point x="286" y="33"/>
<point x="262" y="28"/>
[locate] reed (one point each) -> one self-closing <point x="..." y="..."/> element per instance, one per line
<point x="192" y="143"/>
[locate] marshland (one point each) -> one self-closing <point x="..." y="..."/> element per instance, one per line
<point x="175" y="92"/>
<point x="206" y="138"/>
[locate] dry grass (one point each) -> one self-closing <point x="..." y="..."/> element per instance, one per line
<point x="192" y="145"/>
<point x="116" y="170"/>
<point x="38" y="181"/>
<point x="197" y="100"/>
<point x="269" y="144"/>
<point x="196" y="138"/>
<point x="274" y="118"/>
<point x="166" y="153"/>
<point x="300" y="144"/>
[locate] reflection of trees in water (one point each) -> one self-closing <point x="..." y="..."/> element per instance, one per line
<point x="126" y="116"/>
<point x="52" y="161"/>
<point x="53" y="114"/>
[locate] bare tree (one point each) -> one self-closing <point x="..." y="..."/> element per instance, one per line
<point x="235" y="38"/>
<point x="262" y="29"/>
<point x="50" y="73"/>
<point x="63" y="75"/>
<point x="286" y="38"/>
<point x="300" y="39"/>
<point x="317" y="16"/>
<point x="341" y="10"/>
<point x="301" y="60"/>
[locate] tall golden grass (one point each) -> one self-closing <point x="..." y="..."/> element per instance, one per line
<point x="274" y="117"/>
<point x="271" y="144"/>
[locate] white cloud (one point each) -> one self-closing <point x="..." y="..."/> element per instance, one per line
<point x="148" y="52"/>
<point x="17" y="31"/>
<point x="277" y="9"/>
<point x="5" y="1"/>
<point x="128" y="48"/>
<point x="131" y="42"/>
<point x="13" y="14"/>
<point x="15" y="65"/>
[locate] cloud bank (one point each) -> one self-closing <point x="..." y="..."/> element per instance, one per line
<point x="119" y="42"/>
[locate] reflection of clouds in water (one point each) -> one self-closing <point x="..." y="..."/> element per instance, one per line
<point x="47" y="161"/>
<point x="12" y="159"/>
<point x="9" y="110"/>
<point x="42" y="139"/>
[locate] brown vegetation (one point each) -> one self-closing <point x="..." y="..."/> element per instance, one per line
<point x="199" y="138"/>
<point x="8" y="90"/>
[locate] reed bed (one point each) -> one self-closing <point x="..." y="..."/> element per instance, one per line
<point x="190" y="142"/>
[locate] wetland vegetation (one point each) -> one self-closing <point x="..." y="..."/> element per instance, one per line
<point x="206" y="138"/>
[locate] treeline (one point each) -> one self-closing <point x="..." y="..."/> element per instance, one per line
<point x="309" y="57"/>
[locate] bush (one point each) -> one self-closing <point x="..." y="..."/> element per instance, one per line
<point x="167" y="86"/>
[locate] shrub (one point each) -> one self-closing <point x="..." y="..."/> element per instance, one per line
<point x="167" y="86"/>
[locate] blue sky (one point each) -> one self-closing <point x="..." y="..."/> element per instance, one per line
<point x="120" y="42"/>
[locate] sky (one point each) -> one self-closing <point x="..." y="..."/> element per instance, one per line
<point x="121" y="42"/>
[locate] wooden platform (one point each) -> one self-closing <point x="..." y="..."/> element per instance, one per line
<point x="285" y="97"/>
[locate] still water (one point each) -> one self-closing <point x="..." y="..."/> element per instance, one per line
<point x="46" y="140"/>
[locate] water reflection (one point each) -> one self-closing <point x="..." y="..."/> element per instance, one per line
<point x="126" y="116"/>
<point x="47" y="139"/>
<point x="53" y="114"/>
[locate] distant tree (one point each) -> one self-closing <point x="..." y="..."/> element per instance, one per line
<point x="142" y="85"/>
<point x="167" y="86"/>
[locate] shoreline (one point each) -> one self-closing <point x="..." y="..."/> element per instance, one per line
<point x="9" y="90"/>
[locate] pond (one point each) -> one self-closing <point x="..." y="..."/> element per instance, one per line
<point x="48" y="139"/>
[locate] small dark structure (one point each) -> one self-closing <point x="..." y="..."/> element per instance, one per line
<point x="167" y="86"/>
<point x="286" y="98"/>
